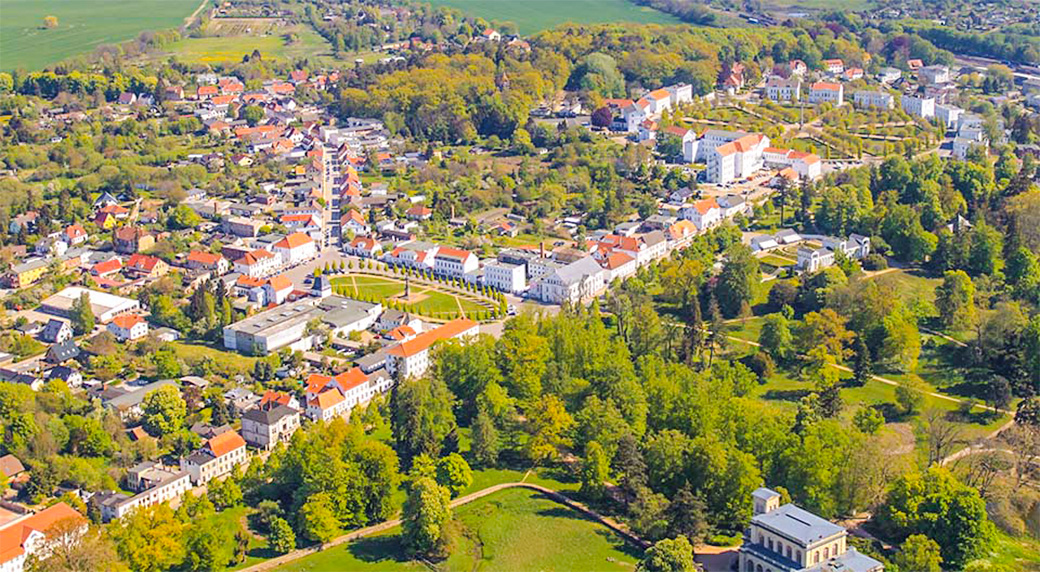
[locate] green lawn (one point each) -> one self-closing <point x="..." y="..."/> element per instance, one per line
<point x="232" y="48"/>
<point x="192" y="352"/>
<point x="515" y="529"/>
<point x="82" y="26"/>
<point x="435" y="303"/>
<point x="531" y="16"/>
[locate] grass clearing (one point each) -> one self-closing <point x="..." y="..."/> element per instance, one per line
<point x="531" y="16"/>
<point x="192" y="352"/>
<point x="239" y="42"/>
<point x="82" y="26"/>
<point x="427" y="300"/>
<point x="515" y="529"/>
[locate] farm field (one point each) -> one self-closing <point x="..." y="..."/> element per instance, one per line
<point x="82" y="26"/>
<point x="243" y="41"/>
<point x="531" y="16"/>
<point x="431" y="302"/>
<point x="504" y="531"/>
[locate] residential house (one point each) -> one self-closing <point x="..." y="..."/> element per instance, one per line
<point x="454" y="262"/>
<point x="295" y="249"/>
<point x="199" y="260"/>
<point x="419" y="212"/>
<point x="833" y="66"/>
<point x="269" y="424"/>
<point x="781" y="89"/>
<point x="62" y="352"/>
<point x="364" y="246"/>
<point x="128" y="327"/>
<point x="75" y="234"/>
<point x="218" y="457"/>
<point x="704" y="213"/>
<point x="71" y="377"/>
<point x="353" y="221"/>
<point x="132" y="239"/>
<point x="146" y="266"/>
<point x="26" y="273"/>
<point x="327" y="405"/>
<point x="153" y="484"/>
<point x="56" y="331"/>
<point x="106" y="268"/>
<point x="257" y="263"/>
<point x="932" y="75"/>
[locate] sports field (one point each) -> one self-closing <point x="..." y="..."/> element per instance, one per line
<point x="515" y="529"/>
<point x="532" y="16"/>
<point x="82" y="26"/>
<point x="426" y="300"/>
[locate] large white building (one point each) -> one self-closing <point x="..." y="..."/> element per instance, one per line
<point x="812" y="259"/>
<point x="877" y="99"/>
<point x="505" y="277"/>
<point x="411" y="358"/>
<point x="827" y="92"/>
<point x="576" y="282"/>
<point x="780" y="89"/>
<point x="919" y="106"/>
<point x="152" y="483"/>
<point x="651" y="105"/>
<point x="804" y="165"/>
<point x="286" y="325"/>
<point x="789" y="539"/>
<point x="948" y="115"/>
<point x="295" y="248"/>
<point x="454" y="262"/>
<point x="105" y="306"/>
<point x="736" y="159"/>
<point x="932" y="75"/>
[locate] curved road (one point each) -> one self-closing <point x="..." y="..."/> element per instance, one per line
<point x="613" y="525"/>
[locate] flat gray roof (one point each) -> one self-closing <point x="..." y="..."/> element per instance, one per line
<point x="797" y="524"/>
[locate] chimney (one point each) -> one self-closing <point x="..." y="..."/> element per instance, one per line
<point x="541" y="249"/>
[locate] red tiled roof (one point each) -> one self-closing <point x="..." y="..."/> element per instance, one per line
<point x="326" y="399"/>
<point x="107" y="267"/>
<point x="424" y="340"/>
<point x="351" y="378"/>
<point x="207" y="258"/>
<point x="294" y="240"/>
<point x="142" y="262"/>
<point x="280" y="282"/>
<point x="225" y="443"/>
<point x="127" y="321"/>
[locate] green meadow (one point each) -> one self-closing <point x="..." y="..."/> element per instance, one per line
<point x="531" y="16"/>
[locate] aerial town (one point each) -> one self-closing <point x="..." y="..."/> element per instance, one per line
<point x="385" y="285"/>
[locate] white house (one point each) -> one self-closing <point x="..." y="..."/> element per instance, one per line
<point x="780" y="89"/>
<point x="454" y="262"/>
<point x="834" y="66"/>
<point x="295" y="248"/>
<point x="128" y="327"/>
<point x="827" y="92"/>
<point x="257" y="263"/>
<point x="327" y="405"/>
<point x="416" y="254"/>
<point x="576" y="282"/>
<point x="704" y="213"/>
<point x="218" y="457"/>
<point x="877" y="99"/>
<point x="948" y="115"/>
<point x="919" y="106"/>
<point x="931" y="75"/>
<point x="269" y="424"/>
<point x="961" y="146"/>
<point x="364" y="246"/>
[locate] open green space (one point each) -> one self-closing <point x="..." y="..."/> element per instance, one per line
<point x="289" y="43"/>
<point x="430" y="302"/>
<point x="82" y="26"/>
<point x="192" y="352"/>
<point x="531" y="16"/>
<point x="515" y="529"/>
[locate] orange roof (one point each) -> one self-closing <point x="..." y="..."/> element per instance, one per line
<point x="833" y="61"/>
<point x="401" y="332"/>
<point x="107" y="267"/>
<point x="225" y="443"/>
<point x="280" y="282"/>
<point x="13" y="536"/>
<point x="351" y="378"/>
<point x="248" y="281"/>
<point x="254" y="256"/>
<point x="223" y="99"/>
<point x="617" y="260"/>
<point x="207" y="90"/>
<point x="423" y="341"/>
<point x="363" y="241"/>
<point x="353" y="215"/>
<point x="127" y="321"/>
<point x="113" y="209"/>
<point x="316" y="382"/>
<point x="326" y="399"/>
<point x="297" y="217"/>
<point x="682" y="228"/>
<point x="453" y="252"/>
<point x="294" y="240"/>
<point x="142" y="262"/>
<point x="75" y="231"/>
<point x="206" y="258"/>
<point x="659" y="94"/>
<point x="275" y="397"/>
<point x="705" y="205"/>
<point x="826" y="86"/>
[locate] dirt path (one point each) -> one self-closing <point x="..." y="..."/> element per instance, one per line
<point x="191" y="19"/>
<point x="555" y="496"/>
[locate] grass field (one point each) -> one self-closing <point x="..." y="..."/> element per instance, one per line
<point x="231" y="47"/>
<point x="433" y="303"/>
<point x="82" y="26"/>
<point x="511" y="530"/>
<point x="531" y="16"/>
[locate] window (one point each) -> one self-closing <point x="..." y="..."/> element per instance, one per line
<point x="798" y="555"/>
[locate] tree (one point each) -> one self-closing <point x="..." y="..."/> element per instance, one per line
<point x="252" y="114"/>
<point x="72" y="550"/>
<point x="522" y="144"/>
<point x="668" y="555"/>
<point x="862" y="365"/>
<point x="602" y="117"/>
<point x="50" y="22"/>
<point x="485" y="440"/>
<point x="868" y="420"/>
<point x="210" y="548"/>
<point x="454" y="474"/>
<point x="282" y="538"/>
<point x="735" y="287"/>
<point x="317" y="518"/>
<point x="595" y="470"/>
<point x="686" y="516"/>
<point x="776" y="338"/>
<point x="920" y="554"/>
<point x="82" y="315"/>
<point x="549" y="424"/>
<point x="955" y="300"/>
<point x="420" y="417"/>
<point x="149" y="539"/>
<point x="425" y="512"/>
<point x="164" y="411"/>
<point x="910" y="394"/>
<point x="182" y="217"/>
<point x="937" y="505"/>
